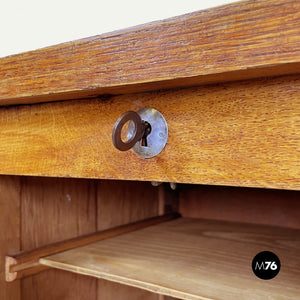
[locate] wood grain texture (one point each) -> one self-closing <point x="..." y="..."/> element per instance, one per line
<point x="59" y="208"/>
<point x="54" y="210"/>
<point x="238" y="134"/>
<point x="9" y="231"/>
<point x="243" y="40"/>
<point x="257" y="206"/>
<point x="122" y="202"/>
<point x="213" y="262"/>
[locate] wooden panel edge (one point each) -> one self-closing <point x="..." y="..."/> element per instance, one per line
<point x="150" y="86"/>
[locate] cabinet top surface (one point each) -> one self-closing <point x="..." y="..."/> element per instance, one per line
<point x="242" y="40"/>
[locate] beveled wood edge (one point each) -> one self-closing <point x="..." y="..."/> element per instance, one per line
<point x="188" y="82"/>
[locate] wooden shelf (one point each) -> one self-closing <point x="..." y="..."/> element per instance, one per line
<point x="192" y="259"/>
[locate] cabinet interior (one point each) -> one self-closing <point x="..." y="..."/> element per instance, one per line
<point x="243" y="219"/>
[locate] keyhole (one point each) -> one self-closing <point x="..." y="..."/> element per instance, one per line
<point x="147" y="131"/>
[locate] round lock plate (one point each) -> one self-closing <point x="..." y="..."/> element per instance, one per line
<point x="157" y="138"/>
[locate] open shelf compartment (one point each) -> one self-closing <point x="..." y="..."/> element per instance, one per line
<point x="191" y="259"/>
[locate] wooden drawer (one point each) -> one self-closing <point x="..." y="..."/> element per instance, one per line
<point x="238" y="134"/>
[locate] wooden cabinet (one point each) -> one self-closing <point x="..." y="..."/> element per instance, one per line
<point x="81" y="220"/>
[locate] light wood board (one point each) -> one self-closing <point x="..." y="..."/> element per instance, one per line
<point x="237" y="134"/>
<point x="192" y="259"/>
<point x="242" y="40"/>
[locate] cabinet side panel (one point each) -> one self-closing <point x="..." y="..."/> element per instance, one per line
<point x="121" y="202"/>
<point x="258" y="206"/>
<point x="9" y="231"/>
<point x="53" y="210"/>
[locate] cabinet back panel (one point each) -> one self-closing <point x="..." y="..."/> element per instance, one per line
<point x="258" y="206"/>
<point x="55" y="209"/>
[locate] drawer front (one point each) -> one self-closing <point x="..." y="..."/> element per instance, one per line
<point x="238" y="134"/>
